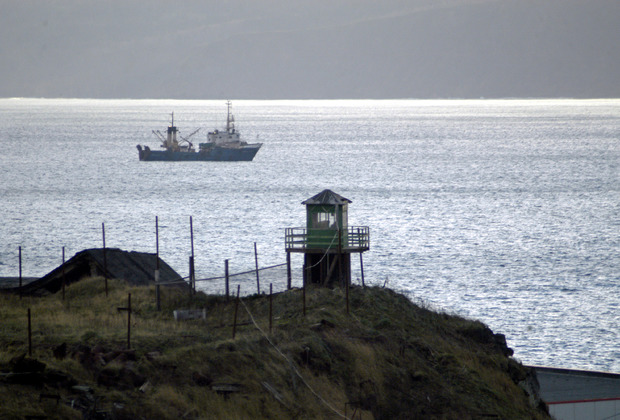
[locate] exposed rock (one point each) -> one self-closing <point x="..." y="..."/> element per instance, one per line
<point x="201" y="379"/>
<point x="483" y="334"/>
<point x="145" y="387"/>
<point x="57" y="378"/>
<point x="60" y="352"/>
<point x="82" y="389"/>
<point x="532" y="388"/>
<point x="324" y="324"/>
<point x="31" y="372"/>
<point x="34" y="379"/>
<point x="152" y="355"/>
<point x="119" y="355"/>
<point x="120" y="377"/>
<point x="23" y="364"/>
<point x="500" y="341"/>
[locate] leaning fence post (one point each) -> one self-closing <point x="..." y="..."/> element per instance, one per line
<point x="236" y="309"/>
<point x="256" y="262"/>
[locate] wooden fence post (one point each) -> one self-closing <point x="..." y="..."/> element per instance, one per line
<point x="64" y="281"/>
<point x="362" y="268"/>
<point x="129" y="321"/>
<point x="128" y="309"/>
<point x="288" y="271"/>
<point x="105" y="261"/>
<point x="347" y="294"/>
<point x="236" y="309"/>
<point x="192" y="275"/>
<point x="226" y="279"/>
<point x="304" y="289"/>
<point x="270" y="307"/>
<point x="20" y="272"/>
<point x="29" y="335"/>
<point x="157" y="295"/>
<point x="340" y="255"/>
<point x="256" y="263"/>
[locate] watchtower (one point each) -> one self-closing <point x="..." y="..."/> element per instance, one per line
<point x="327" y="241"/>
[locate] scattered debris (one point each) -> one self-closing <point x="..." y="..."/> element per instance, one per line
<point x="226" y="389"/>
<point x="189" y="314"/>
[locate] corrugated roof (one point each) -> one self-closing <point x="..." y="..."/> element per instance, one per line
<point x="327" y="197"/>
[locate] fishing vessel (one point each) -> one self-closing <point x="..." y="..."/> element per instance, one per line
<point x="221" y="145"/>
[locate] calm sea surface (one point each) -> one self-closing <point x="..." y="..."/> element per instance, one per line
<point x="503" y="211"/>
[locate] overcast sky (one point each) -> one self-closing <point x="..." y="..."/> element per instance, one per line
<point x="310" y="49"/>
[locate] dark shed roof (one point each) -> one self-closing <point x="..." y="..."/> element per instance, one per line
<point x="327" y="197"/>
<point x="137" y="268"/>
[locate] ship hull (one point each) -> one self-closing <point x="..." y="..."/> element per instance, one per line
<point x="215" y="154"/>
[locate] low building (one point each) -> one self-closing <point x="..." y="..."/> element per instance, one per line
<point x="579" y="394"/>
<point x="136" y="268"/>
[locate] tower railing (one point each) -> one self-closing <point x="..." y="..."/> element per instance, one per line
<point x="350" y="239"/>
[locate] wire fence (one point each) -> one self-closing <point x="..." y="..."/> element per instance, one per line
<point x="41" y="332"/>
<point x="281" y="276"/>
<point x="251" y="281"/>
<point x="255" y="281"/>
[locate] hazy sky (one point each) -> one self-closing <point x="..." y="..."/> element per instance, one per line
<point x="274" y="49"/>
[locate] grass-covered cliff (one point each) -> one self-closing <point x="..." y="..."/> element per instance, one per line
<point x="386" y="359"/>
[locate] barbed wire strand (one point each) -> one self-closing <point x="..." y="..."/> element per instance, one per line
<point x="182" y="280"/>
<point x="327" y="404"/>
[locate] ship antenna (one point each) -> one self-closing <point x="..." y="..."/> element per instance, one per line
<point x="228" y="120"/>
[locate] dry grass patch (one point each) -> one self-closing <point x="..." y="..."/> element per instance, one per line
<point x="387" y="356"/>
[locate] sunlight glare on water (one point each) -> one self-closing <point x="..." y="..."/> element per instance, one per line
<point x="503" y="211"/>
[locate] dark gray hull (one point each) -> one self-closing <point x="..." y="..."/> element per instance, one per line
<point x="216" y="153"/>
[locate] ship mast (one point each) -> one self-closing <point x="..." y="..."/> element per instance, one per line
<point x="230" y="119"/>
<point x="171" y="138"/>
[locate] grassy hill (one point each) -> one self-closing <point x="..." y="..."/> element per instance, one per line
<point x="386" y="359"/>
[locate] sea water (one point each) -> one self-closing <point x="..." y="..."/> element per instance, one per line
<point x="506" y="211"/>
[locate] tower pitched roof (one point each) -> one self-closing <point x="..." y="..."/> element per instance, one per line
<point x="327" y="197"/>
